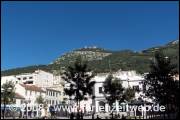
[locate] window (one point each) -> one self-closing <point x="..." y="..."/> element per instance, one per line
<point x="29" y="82"/>
<point x="19" y="78"/>
<point x="100" y="90"/>
<point x="56" y="94"/>
<point x="64" y="99"/>
<point x="30" y="92"/>
<point x="24" y="78"/>
<point x="30" y="77"/>
<point x="59" y="93"/>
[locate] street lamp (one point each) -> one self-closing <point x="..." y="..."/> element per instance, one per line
<point x="5" y="91"/>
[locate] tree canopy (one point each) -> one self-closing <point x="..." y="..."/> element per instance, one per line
<point x="160" y="81"/>
<point x="79" y="77"/>
<point x="8" y="92"/>
<point x="113" y="89"/>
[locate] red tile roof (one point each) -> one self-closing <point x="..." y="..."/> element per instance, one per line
<point x="32" y="88"/>
<point x="18" y="96"/>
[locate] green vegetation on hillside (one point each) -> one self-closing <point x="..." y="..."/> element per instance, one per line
<point x="101" y="60"/>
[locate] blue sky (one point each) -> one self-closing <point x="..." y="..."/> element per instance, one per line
<point x="39" y="32"/>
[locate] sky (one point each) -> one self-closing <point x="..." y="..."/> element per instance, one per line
<point x="35" y="33"/>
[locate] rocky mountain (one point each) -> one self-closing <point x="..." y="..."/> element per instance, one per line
<point x="102" y="60"/>
<point x="87" y="53"/>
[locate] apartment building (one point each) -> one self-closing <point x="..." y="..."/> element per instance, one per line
<point x="38" y="77"/>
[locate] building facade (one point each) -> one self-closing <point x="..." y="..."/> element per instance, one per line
<point x="129" y="79"/>
<point x="30" y="92"/>
<point x="51" y="87"/>
<point x="56" y="95"/>
<point x="39" y="82"/>
<point x="38" y="77"/>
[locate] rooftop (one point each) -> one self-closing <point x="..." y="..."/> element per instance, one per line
<point x="18" y="96"/>
<point x="32" y="88"/>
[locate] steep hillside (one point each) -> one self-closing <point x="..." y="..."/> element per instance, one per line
<point x="102" y="60"/>
<point x="88" y="54"/>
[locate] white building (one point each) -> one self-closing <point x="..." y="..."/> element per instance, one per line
<point x="30" y="92"/>
<point x="19" y="99"/>
<point x="26" y="95"/>
<point x="39" y="78"/>
<point x="55" y="95"/>
<point x="128" y="78"/>
<point x="51" y="84"/>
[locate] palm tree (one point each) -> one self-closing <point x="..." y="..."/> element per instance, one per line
<point x="79" y="78"/>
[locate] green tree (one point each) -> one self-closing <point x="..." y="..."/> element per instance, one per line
<point x="40" y="99"/>
<point x="160" y="83"/>
<point x="7" y="94"/>
<point x="113" y="90"/>
<point x="129" y="94"/>
<point x="79" y="77"/>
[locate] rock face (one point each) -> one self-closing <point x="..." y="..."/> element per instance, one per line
<point x="88" y="54"/>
